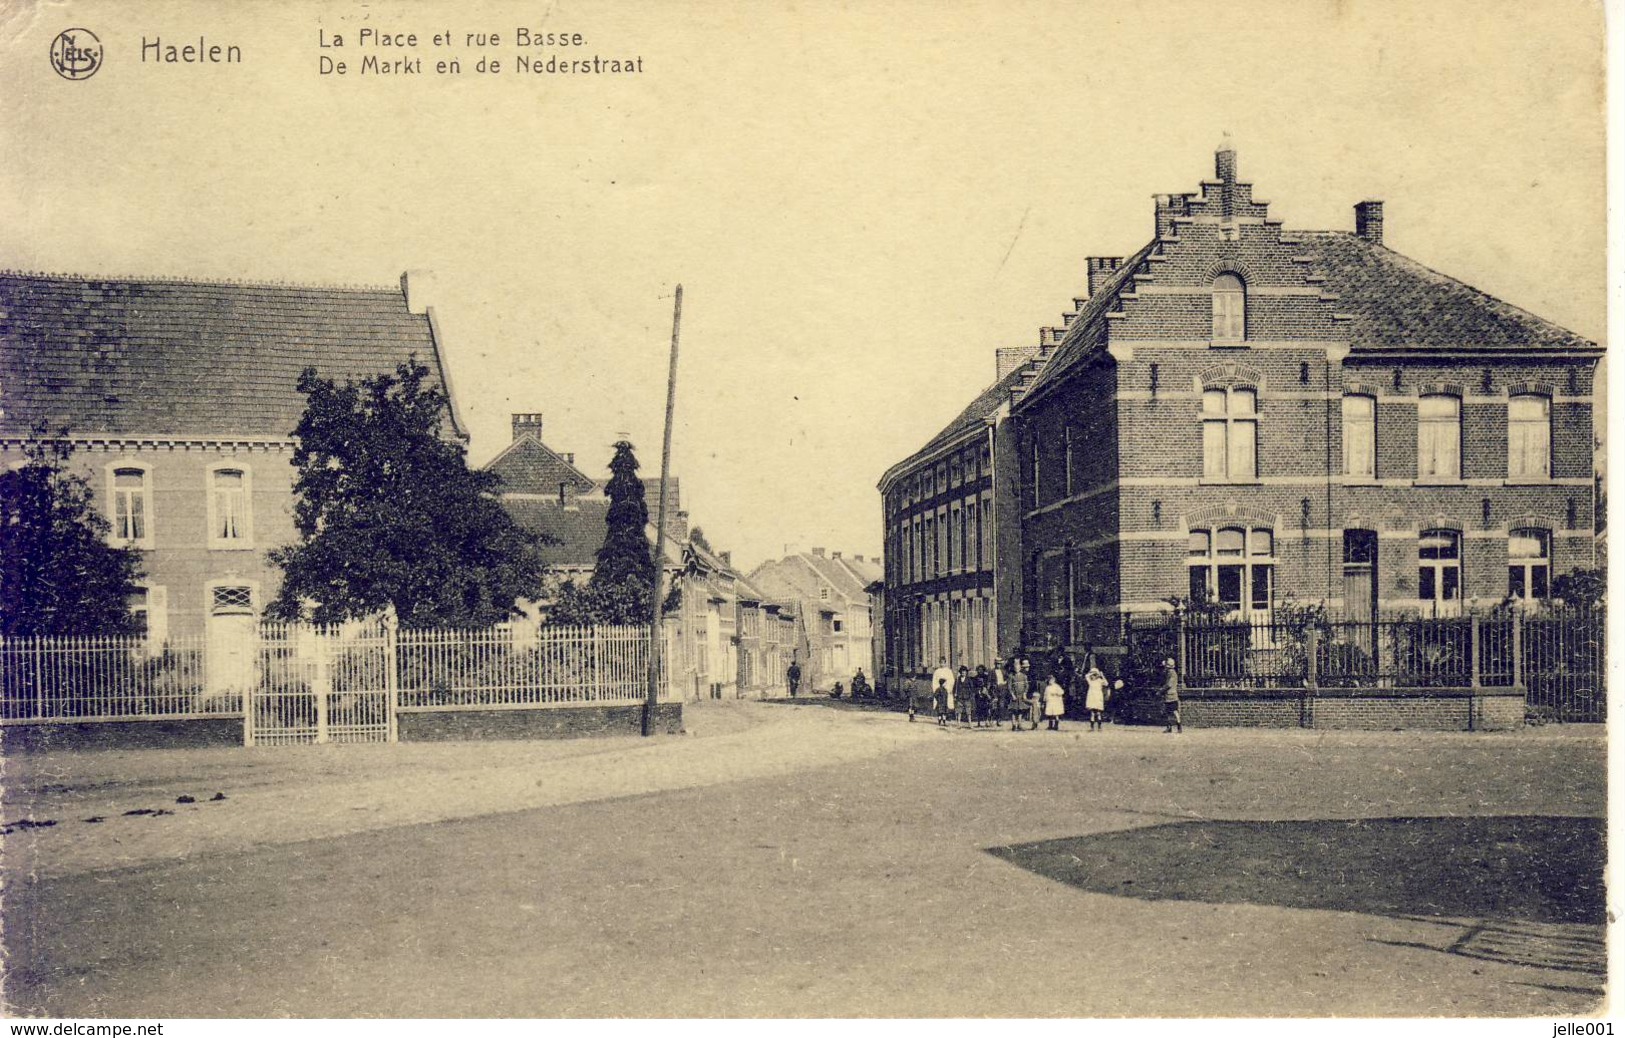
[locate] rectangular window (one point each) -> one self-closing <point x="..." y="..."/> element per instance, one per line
<point x="1360" y="437"/>
<point x="1529" y="437"/>
<point x="1438" y="582"/>
<point x="1230" y="434"/>
<point x="229" y="503"/>
<point x="130" y="506"/>
<point x="1529" y="565"/>
<point x="1438" y="438"/>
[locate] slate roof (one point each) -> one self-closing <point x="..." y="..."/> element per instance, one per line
<point x="529" y="466"/>
<point x="1083" y="334"/>
<point x="1397" y="302"/>
<point x="189" y="358"/>
<point x="579" y="529"/>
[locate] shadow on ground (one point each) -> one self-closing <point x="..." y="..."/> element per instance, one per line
<point x="1504" y="868"/>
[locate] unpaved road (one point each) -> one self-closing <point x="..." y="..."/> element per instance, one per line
<point x="805" y="861"/>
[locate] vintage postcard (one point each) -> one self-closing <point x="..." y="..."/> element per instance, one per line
<point x="586" y="509"/>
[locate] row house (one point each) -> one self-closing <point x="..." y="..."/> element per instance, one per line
<point x="828" y="593"/>
<point x="1248" y="415"/>
<point x="1309" y="416"/>
<point x="179" y="399"/>
<point x="950" y="587"/>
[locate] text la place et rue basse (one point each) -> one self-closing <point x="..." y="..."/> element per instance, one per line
<point x="384" y="52"/>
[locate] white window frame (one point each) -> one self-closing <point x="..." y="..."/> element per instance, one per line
<point x="1440" y="604"/>
<point x="1358" y="431"/>
<point x="245" y="541"/>
<point x="1529" y="439"/>
<point x="155" y="605"/>
<point x="114" y="495"/>
<point x="1528" y="566"/>
<point x="1256" y="561"/>
<point x="1434" y="433"/>
<point x="1229" y="308"/>
<point x="1229" y="427"/>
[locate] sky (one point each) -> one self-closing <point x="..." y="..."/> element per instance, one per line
<point x="862" y="200"/>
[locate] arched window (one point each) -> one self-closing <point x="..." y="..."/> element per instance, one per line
<point x="1529" y="437"/>
<point x="1230" y="433"/>
<point x="1438" y="437"/>
<point x="1529" y="564"/>
<point x="1438" y="581"/>
<point x="1360" y="436"/>
<point x="1229" y="309"/>
<point x="1235" y="567"/>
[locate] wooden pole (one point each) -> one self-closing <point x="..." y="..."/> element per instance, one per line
<point x="656" y="596"/>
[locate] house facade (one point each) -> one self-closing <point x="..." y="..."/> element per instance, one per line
<point x="1251" y="416"/>
<point x="179" y="400"/>
<point x="951" y="585"/>
<point x="827" y="594"/>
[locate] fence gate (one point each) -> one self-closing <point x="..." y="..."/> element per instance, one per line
<point x="322" y="685"/>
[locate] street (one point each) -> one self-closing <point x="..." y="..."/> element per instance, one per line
<point x="811" y="860"/>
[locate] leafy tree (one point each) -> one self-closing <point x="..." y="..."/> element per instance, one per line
<point x="1582" y="587"/>
<point x="388" y="513"/>
<point x="697" y="536"/>
<point x="58" y="574"/>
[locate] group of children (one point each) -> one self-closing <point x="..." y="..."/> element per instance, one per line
<point x="1008" y="694"/>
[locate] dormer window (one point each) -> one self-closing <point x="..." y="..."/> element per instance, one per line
<point x="1229" y="309"/>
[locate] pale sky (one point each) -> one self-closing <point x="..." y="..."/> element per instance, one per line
<point x="862" y="200"/>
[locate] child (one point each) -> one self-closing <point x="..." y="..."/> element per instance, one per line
<point x="941" y="698"/>
<point x="1095" y="698"/>
<point x="1170" y="696"/>
<point x="1054" y="703"/>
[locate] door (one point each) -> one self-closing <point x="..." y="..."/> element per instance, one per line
<point x="233" y="643"/>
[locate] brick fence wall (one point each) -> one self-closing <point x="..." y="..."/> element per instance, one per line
<point x="1442" y="712"/>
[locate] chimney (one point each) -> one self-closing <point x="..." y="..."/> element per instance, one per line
<point x="1008" y="360"/>
<point x="834" y="554"/>
<point x="527" y="425"/>
<point x="1168" y="207"/>
<point x="727" y="558"/>
<point x="1224" y="162"/>
<point x="415" y="287"/>
<point x="1368" y="221"/>
<point x="857" y="558"/>
<point x="818" y="553"/>
<point x="1101" y="268"/>
<point x="569" y="456"/>
<point x="677" y="527"/>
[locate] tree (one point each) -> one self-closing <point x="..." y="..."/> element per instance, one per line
<point x="58" y="574"/>
<point x="697" y="536"/>
<point x="389" y="514"/>
<point x="1585" y="588"/>
<point x="624" y="576"/>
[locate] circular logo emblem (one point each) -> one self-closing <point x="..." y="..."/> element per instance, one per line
<point x="76" y="54"/>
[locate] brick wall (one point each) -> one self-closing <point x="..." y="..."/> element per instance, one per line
<point x="573" y="722"/>
<point x="1370" y="712"/>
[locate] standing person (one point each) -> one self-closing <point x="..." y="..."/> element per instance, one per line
<point x="1020" y="694"/>
<point x="1054" y="703"/>
<point x="1035" y="696"/>
<point x="943" y="677"/>
<point x="1095" y="698"/>
<point x="966" y="696"/>
<point x="983" y="683"/>
<point x="942" y="700"/>
<point x="793" y="677"/>
<point x="1170" y="696"/>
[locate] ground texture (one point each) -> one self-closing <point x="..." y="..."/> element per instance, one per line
<point x="799" y="860"/>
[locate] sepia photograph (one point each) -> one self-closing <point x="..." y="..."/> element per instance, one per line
<point x="599" y="510"/>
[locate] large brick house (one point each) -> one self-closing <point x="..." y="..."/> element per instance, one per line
<point x="179" y="400"/>
<point x="1249" y="414"/>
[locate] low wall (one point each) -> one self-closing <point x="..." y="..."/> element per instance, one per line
<point x="552" y="722"/>
<point x="135" y="734"/>
<point x="1448" y="710"/>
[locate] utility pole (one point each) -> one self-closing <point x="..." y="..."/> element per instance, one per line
<point x="656" y="596"/>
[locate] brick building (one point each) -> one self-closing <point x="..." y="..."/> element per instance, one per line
<point x="1253" y="415"/>
<point x="952" y="520"/>
<point x="179" y="399"/>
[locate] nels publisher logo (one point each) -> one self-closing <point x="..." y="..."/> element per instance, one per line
<point x="76" y="54"/>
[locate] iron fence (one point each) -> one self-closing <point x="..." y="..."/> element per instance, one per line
<point x="112" y="676"/>
<point x="523" y="665"/>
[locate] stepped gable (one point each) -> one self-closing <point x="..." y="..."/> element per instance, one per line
<point x="190" y="358"/>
